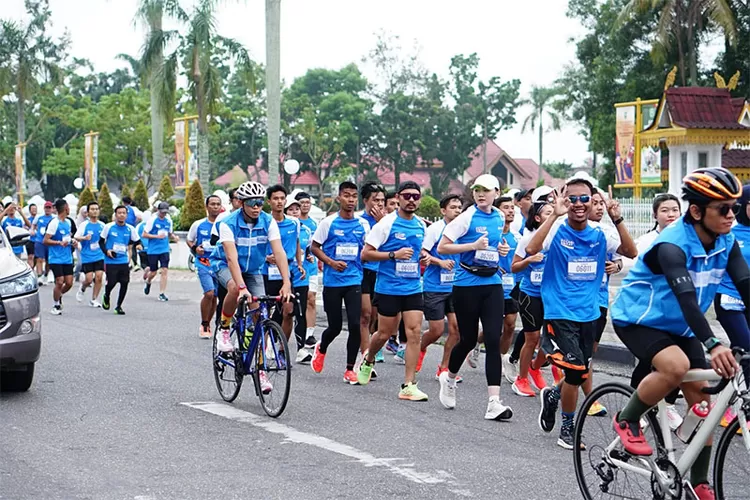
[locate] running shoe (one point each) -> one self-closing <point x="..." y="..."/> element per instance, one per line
<point x="391" y="346"/>
<point x="79" y="295"/>
<point x="318" y="359"/>
<point x="473" y="358"/>
<point x="365" y="373"/>
<point x="557" y="374"/>
<point x="565" y="439"/>
<point x="459" y="378"/>
<point x="410" y="392"/>
<point x="265" y="384"/>
<point x="223" y="340"/>
<point x="704" y="492"/>
<point x="673" y="417"/>
<point x="50" y="278"/>
<point x="537" y="379"/>
<point x="522" y="387"/>
<point x="56" y="310"/>
<point x="163" y="297"/>
<point x="303" y="356"/>
<point x="310" y="341"/>
<point x="496" y="410"/>
<point x="422" y="354"/>
<point x="447" y="393"/>
<point x="549" y="397"/>
<point x="350" y="377"/>
<point x="95" y="304"/>
<point x="119" y="311"/>
<point x="597" y="410"/>
<point x="631" y="437"/>
<point x="205" y="332"/>
<point x="379" y="358"/>
<point x="510" y="369"/>
<point x="105" y="303"/>
<point x="147" y="288"/>
<point x="399" y="356"/>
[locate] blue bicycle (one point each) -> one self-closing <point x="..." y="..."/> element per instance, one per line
<point x="261" y="351"/>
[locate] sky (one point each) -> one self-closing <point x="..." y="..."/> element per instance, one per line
<point x="528" y="40"/>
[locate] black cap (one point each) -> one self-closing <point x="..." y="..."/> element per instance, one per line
<point x="302" y="195"/>
<point x="163" y="206"/>
<point x="523" y="193"/>
<point x="408" y="185"/>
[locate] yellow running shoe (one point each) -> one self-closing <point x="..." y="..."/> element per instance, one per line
<point x="597" y="410"/>
<point x="411" y="392"/>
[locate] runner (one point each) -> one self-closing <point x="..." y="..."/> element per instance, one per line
<point x="30" y="244"/>
<point x="396" y="242"/>
<point x="234" y="200"/>
<point x="530" y="270"/>
<point x="58" y="237"/>
<point x="311" y="269"/>
<point x="522" y="201"/>
<point x="338" y="243"/>
<point x="92" y="256"/>
<point x="159" y="230"/>
<point x="659" y="313"/>
<point x="301" y="282"/>
<point x="114" y="241"/>
<point x="391" y="202"/>
<point x="576" y="252"/>
<point x="506" y="206"/>
<point x="143" y="253"/>
<point x="38" y="229"/>
<point x="11" y="216"/>
<point x="289" y="229"/>
<point x="199" y="242"/>
<point x="476" y="236"/>
<point x="438" y="286"/>
<point x="373" y="196"/>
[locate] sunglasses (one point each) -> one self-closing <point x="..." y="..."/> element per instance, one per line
<point x="410" y="196"/>
<point x="583" y="199"/>
<point x="253" y="202"/>
<point x="725" y="209"/>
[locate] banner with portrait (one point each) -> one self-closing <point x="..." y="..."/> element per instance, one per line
<point x="186" y="151"/>
<point x="650" y="165"/>
<point x="91" y="161"/>
<point x="625" y="145"/>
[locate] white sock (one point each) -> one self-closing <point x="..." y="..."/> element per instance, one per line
<point x="57" y="302"/>
<point x="311" y="331"/>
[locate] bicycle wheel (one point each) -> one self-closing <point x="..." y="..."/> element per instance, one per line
<point x="597" y="475"/>
<point x="228" y="372"/>
<point x="272" y="373"/>
<point x="732" y="464"/>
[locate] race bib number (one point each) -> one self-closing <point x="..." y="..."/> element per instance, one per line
<point x="582" y="269"/>
<point x="43" y="230"/>
<point x="509" y="280"/>
<point x="347" y="251"/>
<point x="273" y="273"/>
<point x="486" y="257"/>
<point x="446" y="277"/>
<point x="207" y="248"/>
<point x="119" y="248"/>
<point x="66" y="238"/>
<point x="731" y="303"/>
<point x="243" y="242"/>
<point x="536" y="277"/>
<point x="94" y="246"/>
<point x="163" y="232"/>
<point x="407" y="269"/>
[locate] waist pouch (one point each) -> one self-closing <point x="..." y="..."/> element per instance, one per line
<point x="483" y="271"/>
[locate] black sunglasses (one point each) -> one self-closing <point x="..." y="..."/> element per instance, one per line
<point x="583" y="199"/>
<point x="253" y="202"/>
<point x="411" y="196"/>
<point x="725" y="209"/>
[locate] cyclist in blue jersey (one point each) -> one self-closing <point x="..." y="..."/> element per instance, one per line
<point x="438" y="286"/>
<point x="476" y="236"/>
<point x="199" y="242"/>
<point x="659" y="313"/>
<point x="301" y="281"/>
<point x="92" y="257"/>
<point x="11" y="216"/>
<point x="730" y="311"/>
<point x="373" y="197"/>
<point x="242" y="240"/>
<point x="338" y="243"/>
<point x="289" y="229"/>
<point x="115" y="240"/>
<point x="38" y="229"/>
<point x="311" y="269"/>
<point x="396" y="242"/>
<point x="59" y="240"/>
<point x="159" y="229"/>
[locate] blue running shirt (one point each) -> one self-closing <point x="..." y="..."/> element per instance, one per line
<point x="305" y="240"/>
<point x="253" y="241"/>
<point x="342" y="239"/>
<point x="90" y="249"/>
<point x="392" y="233"/>
<point x="730" y="298"/>
<point x="117" y="238"/>
<point x="200" y="235"/>
<point x="436" y="279"/>
<point x="158" y="226"/>
<point x="372" y="266"/>
<point x="530" y="278"/>
<point x="509" y="279"/>
<point x="14" y="222"/>
<point x="311" y="268"/>
<point x="289" y="231"/>
<point x="59" y="230"/>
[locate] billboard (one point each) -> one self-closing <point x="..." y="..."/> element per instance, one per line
<point x="91" y="161"/>
<point x="625" y="145"/>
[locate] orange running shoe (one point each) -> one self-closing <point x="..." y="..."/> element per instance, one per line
<point x="522" y="387"/>
<point x="557" y="374"/>
<point x="350" y="377"/>
<point x="319" y="359"/>
<point x="537" y="379"/>
<point x="422" y="354"/>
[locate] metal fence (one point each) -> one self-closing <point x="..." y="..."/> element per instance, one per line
<point x="638" y="215"/>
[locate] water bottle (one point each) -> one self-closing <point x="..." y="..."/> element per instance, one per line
<point x="692" y="421"/>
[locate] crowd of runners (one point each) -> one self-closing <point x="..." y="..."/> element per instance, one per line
<point x="545" y="254"/>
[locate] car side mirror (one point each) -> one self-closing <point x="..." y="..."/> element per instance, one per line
<point x="17" y="236"/>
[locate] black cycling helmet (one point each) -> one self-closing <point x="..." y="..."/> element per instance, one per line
<point x="710" y="184"/>
<point x="742" y="217"/>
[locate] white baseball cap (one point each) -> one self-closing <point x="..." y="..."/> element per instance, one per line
<point x="512" y="193"/>
<point x="541" y="194"/>
<point x="291" y="201"/>
<point x="487" y="181"/>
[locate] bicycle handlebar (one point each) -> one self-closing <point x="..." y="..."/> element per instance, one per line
<point x="740" y="355"/>
<point x="267" y="298"/>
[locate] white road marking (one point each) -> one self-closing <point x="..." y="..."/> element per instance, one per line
<point x="398" y="466"/>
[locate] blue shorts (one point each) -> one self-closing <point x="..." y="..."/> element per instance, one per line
<point x="254" y="282"/>
<point x="157" y="260"/>
<point x="207" y="279"/>
<point x="40" y="250"/>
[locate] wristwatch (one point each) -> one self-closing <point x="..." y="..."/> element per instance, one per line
<point x="617" y="222"/>
<point x="711" y="343"/>
<point x="392" y="255"/>
<point x="242" y="287"/>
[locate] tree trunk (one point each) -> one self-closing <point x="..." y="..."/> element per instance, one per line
<point x="157" y="121"/>
<point x="203" y="159"/>
<point x="541" y="146"/>
<point x="273" y="86"/>
<point x="692" y="58"/>
<point x="21" y="117"/>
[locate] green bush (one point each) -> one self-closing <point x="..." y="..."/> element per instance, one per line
<point x="105" y="204"/>
<point x="178" y="203"/>
<point x="166" y="191"/>
<point x="140" y="196"/>
<point x="193" y="208"/>
<point x="125" y="191"/>
<point x="429" y="208"/>
<point x="85" y="197"/>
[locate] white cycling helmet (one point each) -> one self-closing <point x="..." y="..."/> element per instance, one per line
<point x="249" y="190"/>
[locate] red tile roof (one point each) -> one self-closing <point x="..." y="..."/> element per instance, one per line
<point x="738" y="103"/>
<point x="702" y="108"/>
<point x="530" y="169"/>
<point x="494" y="152"/>
<point x="735" y="158"/>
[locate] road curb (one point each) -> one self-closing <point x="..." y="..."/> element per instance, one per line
<point x="614" y="353"/>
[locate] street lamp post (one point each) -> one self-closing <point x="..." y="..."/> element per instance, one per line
<point x="273" y="85"/>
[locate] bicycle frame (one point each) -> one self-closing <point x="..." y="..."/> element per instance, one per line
<point x="737" y="386"/>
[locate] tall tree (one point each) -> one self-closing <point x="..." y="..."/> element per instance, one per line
<point x="541" y="102"/>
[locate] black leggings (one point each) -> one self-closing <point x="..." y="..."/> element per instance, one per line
<point x="117" y="273"/>
<point x="515" y="355"/>
<point x="300" y="312"/>
<point x="352" y="299"/>
<point x="485" y="302"/>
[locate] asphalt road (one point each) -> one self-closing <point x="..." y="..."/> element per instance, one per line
<point x="126" y="408"/>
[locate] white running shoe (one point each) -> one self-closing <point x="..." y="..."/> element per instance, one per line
<point x="447" y="394"/>
<point x="303" y="356"/>
<point x="50" y="278"/>
<point x="473" y="357"/>
<point x="56" y="310"/>
<point x="265" y="385"/>
<point x="79" y="295"/>
<point x="673" y="417"/>
<point x="496" y="410"/>
<point x="223" y="340"/>
<point x="510" y="370"/>
<point x="95" y="304"/>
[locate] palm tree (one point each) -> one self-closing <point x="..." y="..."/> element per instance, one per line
<point x="541" y="100"/>
<point x="681" y="22"/>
